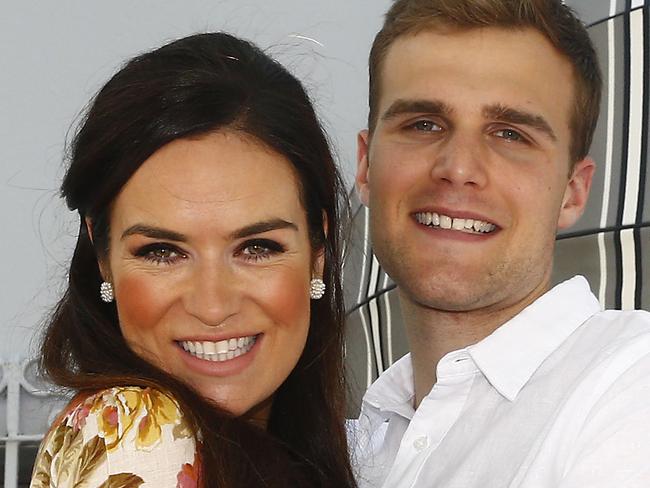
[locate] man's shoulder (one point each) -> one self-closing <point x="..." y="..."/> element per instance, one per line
<point x="612" y="348"/>
<point x="616" y="327"/>
<point x="612" y="335"/>
<point x="634" y="316"/>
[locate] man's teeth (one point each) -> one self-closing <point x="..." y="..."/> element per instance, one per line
<point x="470" y="226"/>
<point x="221" y="350"/>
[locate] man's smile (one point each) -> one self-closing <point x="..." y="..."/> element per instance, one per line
<point x="467" y="225"/>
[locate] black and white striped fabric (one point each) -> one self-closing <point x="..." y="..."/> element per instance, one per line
<point x="611" y="243"/>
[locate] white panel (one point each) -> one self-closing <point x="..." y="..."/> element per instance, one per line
<point x="366" y="335"/>
<point x="629" y="269"/>
<point x="364" y="256"/>
<point x="636" y="118"/>
<point x="609" y="152"/>
<point x="374" y="314"/>
<point x="389" y="322"/>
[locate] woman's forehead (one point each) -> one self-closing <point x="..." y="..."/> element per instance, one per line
<point x="222" y="176"/>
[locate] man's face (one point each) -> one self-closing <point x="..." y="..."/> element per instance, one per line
<point x="467" y="172"/>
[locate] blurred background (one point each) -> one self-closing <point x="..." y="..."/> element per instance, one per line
<point x="56" y="55"/>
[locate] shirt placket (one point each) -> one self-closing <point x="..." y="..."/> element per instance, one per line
<point x="433" y="419"/>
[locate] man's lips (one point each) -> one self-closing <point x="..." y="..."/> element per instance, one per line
<point x="466" y="225"/>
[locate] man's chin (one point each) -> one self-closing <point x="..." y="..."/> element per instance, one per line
<point x="451" y="297"/>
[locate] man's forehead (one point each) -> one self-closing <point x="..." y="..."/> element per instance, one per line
<point x="469" y="35"/>
<point x="518" y="66"/>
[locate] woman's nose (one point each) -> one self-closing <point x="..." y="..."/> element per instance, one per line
<point x="212" y="294"/>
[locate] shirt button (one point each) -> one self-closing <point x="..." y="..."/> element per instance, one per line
<point x="421" y="443"/>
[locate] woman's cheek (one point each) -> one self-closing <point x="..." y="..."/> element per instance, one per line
<point x="141" y="303"/>
<point x="286" y="297"/>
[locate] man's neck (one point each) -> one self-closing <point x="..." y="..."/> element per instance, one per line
<point x="434" y="333"/>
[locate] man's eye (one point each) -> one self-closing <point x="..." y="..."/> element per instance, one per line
<point x="426" y="126"/>
<point x="510" y="135"/>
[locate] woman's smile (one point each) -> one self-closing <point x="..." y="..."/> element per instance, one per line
<point x="221" y="350"/>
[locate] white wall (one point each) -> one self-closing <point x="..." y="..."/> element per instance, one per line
<point x="55" y="55"/>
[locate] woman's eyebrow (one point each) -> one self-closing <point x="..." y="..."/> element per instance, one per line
<point x="263" y="226"/>
<point x="154" y="233"/>
<point x="170" y="235"/>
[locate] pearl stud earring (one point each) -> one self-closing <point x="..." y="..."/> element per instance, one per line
<point x="316" y="289"/>
<point x="106" y="292"/>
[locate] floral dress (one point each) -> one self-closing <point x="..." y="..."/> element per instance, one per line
<point x="119" y="438"/>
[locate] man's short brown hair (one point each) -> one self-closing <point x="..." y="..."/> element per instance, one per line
<point x="555" y="21"/>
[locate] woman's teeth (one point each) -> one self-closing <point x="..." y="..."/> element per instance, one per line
<point x="221" y="350"/>
<point x="471" y="226"/>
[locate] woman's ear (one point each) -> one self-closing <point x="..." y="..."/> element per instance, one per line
<point x="89" y="227"/>
<point x="319" y="263"/>
<point x="319" y="258"/>
<point x="103" y="268"/>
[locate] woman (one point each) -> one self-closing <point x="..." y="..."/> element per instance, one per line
<point x="202" y="322"/>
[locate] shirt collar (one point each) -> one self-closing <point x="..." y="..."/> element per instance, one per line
<point x="508" y="357"/>
<point x="394" y="390"/>
<point x="511" y="354"/>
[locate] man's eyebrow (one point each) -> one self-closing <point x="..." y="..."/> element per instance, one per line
<point x="170" y="235"/>
<point x="261" y="227"/>
<point x="502" y="113"/>
<point x="403" y="106"/>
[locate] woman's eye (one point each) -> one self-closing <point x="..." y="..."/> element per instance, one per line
<point x="255" y="250"/>
<point x="510" y="135"/>
<point x="160" y="254"/>
<point x="260" y="249"/>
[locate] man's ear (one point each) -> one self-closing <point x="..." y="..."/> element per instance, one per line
<point x="576" y="193"/>
<point x="103" y="269"/>
<point x="361" y="180"/>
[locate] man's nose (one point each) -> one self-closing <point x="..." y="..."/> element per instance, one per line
<point x="461" y="161"/>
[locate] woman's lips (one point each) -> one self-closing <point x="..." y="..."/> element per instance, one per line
<point x="220" y="364"/>
<point x="219" y="351"/>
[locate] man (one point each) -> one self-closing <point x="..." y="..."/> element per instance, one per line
<point x="481" y="116"/>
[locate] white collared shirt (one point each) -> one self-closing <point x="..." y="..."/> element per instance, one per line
<point x="557" y="397"/>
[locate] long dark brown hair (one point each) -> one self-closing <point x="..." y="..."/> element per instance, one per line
<point x="190" y="87"/>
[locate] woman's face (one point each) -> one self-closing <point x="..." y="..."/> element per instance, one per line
<point x="210" y="260"/>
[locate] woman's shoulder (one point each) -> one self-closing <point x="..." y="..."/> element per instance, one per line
<point x="129" y="413"/>
<point x="127" y="434"/>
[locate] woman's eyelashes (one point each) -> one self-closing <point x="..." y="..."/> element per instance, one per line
<point x="251" y="250"/>
<point x="160" y="253"/>
<point x="260" y="249"/>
